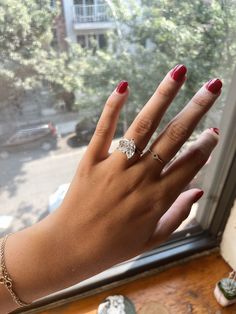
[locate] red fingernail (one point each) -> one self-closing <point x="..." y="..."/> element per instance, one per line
<point x="122" y="87"/>
<point x="178" y="72"/>
<point x="214" y="86"/>
<point x="198" y="196"/>
<point x="216" y="130"/>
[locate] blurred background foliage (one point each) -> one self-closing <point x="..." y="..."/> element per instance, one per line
<point x="147" y="41"/>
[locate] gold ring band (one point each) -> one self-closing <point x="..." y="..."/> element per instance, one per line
<point x="156" y="156"/>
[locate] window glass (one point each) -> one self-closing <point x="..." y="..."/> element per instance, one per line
<point x="53" y="3"/>
<point x="81" y="39"/>
<point x="54" y="83"/>
<point x="79" y="2"/>
<point x="102" y="41"/>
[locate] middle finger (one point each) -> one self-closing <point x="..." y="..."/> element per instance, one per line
<point x="149" y="117"/>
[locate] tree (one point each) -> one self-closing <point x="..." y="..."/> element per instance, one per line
<point x="25" y="31"/>
<point x="149" y="40"/>
<point x="27" y="58"/>
<point x="156" y="36"/>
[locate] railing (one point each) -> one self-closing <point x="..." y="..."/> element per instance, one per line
<point x="91" y="13"/>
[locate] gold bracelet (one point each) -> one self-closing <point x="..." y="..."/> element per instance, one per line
<point x="5" y="278"/>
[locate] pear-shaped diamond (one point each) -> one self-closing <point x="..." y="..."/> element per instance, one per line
<point x="127" y="147"/>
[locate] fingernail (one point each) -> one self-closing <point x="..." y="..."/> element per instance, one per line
<point x="122" y="87"/>
<point x="216" y="130"/>
<point x="198" y="196"/>
<point x="214" y="86"/>
<point x="178" y="72"/>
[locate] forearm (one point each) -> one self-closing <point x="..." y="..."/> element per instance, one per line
<point x="37" y="263"/>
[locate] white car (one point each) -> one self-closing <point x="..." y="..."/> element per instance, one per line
<point x="57" y="197"/>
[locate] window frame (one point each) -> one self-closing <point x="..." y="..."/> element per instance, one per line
<point x="213" y="213"/>
<point x="203" y="237"/>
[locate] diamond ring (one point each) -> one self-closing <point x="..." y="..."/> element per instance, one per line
<point x="128" y="147"/>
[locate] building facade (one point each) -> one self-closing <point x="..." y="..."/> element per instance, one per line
<point x="87" y="21"/>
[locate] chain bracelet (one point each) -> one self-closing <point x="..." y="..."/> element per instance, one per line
<point x="5" y="279"/>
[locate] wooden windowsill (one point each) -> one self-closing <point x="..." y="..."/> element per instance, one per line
<point x="181" y="289"/>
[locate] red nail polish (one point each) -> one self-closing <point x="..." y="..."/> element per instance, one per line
<point x="178" y="72"/>
<point x="198" y="196"/>
<point x="122" y="87"/>
<point x="216" y="130"/>
<point x="214" y="86"/>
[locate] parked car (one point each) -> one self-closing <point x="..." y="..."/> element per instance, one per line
<point x="33" y="136"/>
<point x="84" y="129"/>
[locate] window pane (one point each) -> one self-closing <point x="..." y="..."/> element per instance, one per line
<point x="102" y="41"/>
<point x="79" y="2"/>
<point x="65" y="90"/>
<point x="81" y="39"/>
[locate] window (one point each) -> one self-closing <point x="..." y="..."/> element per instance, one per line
<point x="81" y="39"/>
<point x="92" y="40"/>
<point x="84" y="2"/>
<point x="102" y="42"/>
<point x="87" y="11"/>
<point x="53" y="3"/>
<point x="54" y="42"/>
<point x="149" y="38"/>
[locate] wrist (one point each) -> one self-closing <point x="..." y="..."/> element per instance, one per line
<point x="32" y="260"/>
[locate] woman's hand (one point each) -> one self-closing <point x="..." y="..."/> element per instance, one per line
<point x="117" y="208"/>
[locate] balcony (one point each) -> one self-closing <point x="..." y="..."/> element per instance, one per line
<point x="92" y="16"/>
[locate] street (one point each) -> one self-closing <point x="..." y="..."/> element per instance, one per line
<point x="28" y="179"/>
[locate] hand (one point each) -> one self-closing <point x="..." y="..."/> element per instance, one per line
<point x="116" y="208"/>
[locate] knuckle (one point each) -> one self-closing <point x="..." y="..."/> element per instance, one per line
<point x="177" y="131"/>
<point x="201" y="101"/>
<point x="165" y="91"/>
<point x="110" y="104"/>
<point x="200" y="156"/>
<point x="143" y="125"/>
<point x="102" y="129"/>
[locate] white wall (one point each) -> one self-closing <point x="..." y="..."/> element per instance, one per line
<point x="228" y="244"/>
<point x="73" y="30"/>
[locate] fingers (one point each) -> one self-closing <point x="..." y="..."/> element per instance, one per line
<point x="175" y="215"/>
<point x="181" y="127"/>
<point x="185" y="167"/>
<point x="103" y="135"/>
<point x="149" y="117"/>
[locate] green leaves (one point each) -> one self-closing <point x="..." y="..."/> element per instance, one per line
<point x="147" y="41"/>
<point x="25" y="35"/>
<point x="160" y="34"/>
<point x="228" y="288"/>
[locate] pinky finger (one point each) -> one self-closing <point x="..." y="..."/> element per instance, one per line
<point x="173" y="218"/>
<point x="105" y="130"/>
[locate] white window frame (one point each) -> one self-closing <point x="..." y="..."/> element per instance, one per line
<point x="219" y="168"/>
